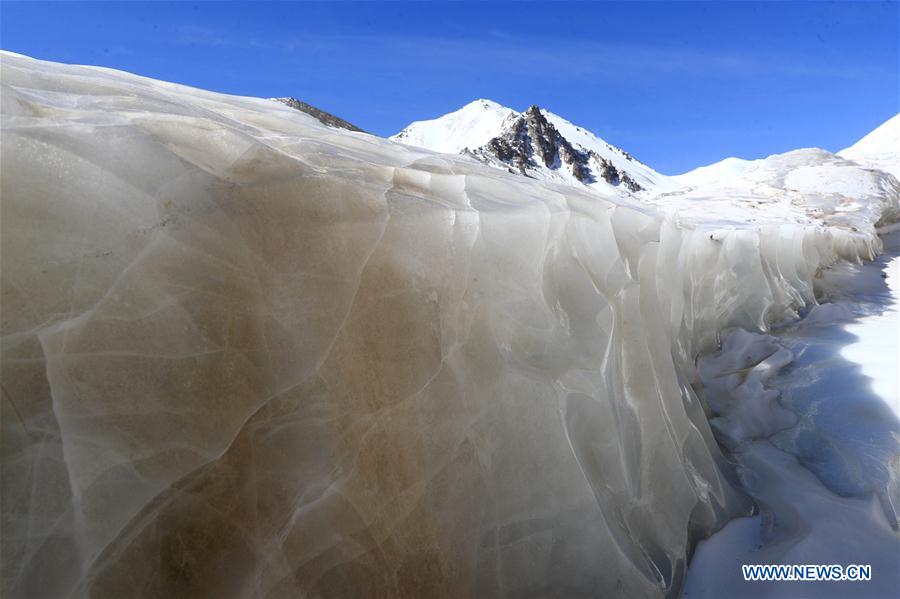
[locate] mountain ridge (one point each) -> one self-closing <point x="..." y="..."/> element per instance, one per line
<point x="540" y="144"/>
<point x="326" y="118"/>
<point x="535" y="142"/>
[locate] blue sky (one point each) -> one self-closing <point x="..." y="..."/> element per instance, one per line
<point x="678" y="85"/>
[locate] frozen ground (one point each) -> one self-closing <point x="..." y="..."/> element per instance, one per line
<point x="822" y="462"/>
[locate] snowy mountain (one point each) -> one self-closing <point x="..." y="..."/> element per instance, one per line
<point x="472" y="126"/>
<point x="536" y="143"/>
<point x="540" y="144"/>
<point x="803" y="186"/>
<point x="879" y="149"/>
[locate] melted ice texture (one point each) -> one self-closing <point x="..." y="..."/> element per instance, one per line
<point x="817" y="443"/>
<point x="245" y="354"/>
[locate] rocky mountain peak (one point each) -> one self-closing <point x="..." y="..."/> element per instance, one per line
<point x="534" y="143"/>
<point x="530" y="142"/>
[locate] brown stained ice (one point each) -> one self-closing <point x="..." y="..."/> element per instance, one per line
<point x="245" y="354"/>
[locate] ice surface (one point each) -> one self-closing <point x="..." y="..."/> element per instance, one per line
<point x="803" y="523"/>
<point x="244" y="354"/>
<point x="827" y="478"/>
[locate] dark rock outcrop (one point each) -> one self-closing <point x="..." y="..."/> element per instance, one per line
<point x="530" y="139"/>
<point x="324" y="117"/>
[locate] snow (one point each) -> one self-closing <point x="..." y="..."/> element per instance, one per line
<point x="814" y="526"/>
<point x="809" y="186"/>
<point x="365" y="367"/>
<point x="821" y="461"/>
<point x="724" y="169"/>
<point x="476" y="123"/>
<point x="471" y="127"/>
<point x="879" y="149"/>
<point x="640" y="172"/>
<point x="875" y="347"/>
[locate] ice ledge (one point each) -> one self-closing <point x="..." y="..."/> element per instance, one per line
<point x="290" y="359"/>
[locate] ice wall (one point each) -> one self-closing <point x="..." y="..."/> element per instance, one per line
<point x="244" y="354"/>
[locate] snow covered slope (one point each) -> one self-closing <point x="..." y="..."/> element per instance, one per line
<point x="248" y="354"/>
<point x="470" y="127"/>
<point x="537" y="143"/>
<point x="879" y="149"/>
<point x="807" y="186"/>
<point x="543" y="145"/>
<point x="645" y="176"/>
<point x="724" y="169"/>
<point x="564" y="152"/>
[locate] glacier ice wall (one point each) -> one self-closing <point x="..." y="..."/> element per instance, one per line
<point x="244" y="354"/>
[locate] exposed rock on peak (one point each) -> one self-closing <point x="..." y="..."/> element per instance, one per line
<point x="529" y="142"/>
<point x="325" y="118"/>
<point x="535" y="143"/>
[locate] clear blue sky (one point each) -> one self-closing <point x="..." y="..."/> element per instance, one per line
<point x="678" y="85"/>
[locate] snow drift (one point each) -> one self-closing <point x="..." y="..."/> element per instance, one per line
<point x="246" y="354"/>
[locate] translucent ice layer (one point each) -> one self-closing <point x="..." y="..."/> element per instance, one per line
<point x="244" y="354"/>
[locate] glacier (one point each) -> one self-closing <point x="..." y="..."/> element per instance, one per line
<point x="247" y="354"/>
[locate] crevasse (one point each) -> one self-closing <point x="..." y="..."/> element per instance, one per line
<point x="248" y="355"/>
